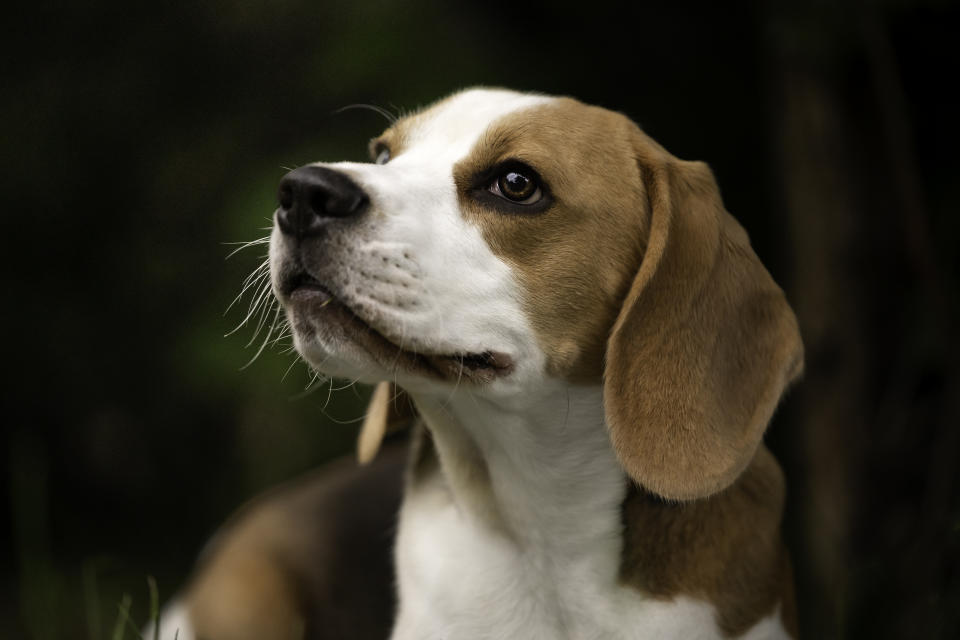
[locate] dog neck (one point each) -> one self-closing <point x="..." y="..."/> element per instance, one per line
<point x="540" y="468"/>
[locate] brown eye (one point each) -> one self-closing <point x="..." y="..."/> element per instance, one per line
<point x="516" y="186"/>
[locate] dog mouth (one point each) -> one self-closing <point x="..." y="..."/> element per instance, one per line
<point x="313" y="303"/>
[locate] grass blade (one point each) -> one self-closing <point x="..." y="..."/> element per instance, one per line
<point x="154" y="606"/>
<point x="122" y="617"/>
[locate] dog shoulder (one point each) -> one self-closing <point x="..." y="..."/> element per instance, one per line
<point x="273" y="570"/>
<point x="725" y="549"/>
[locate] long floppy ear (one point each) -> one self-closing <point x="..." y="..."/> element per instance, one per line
<point x="705" y="342"/>
<point x="389" y="410"/>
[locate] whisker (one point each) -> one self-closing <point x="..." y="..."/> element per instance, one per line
<point x="264" y="302"/>
<point x="266" y="340"/>
<point x="317" y="380"/>
<point x="262" y="269"/>
<point x="326" y="404"/>
<point x="245" y="245"/>
<point x="341" y="422"/>
<point x="264" y="272"/>
<point x="289" y="369"/>
<point x="391" y="118"/>
<point x="282" y="334"/>
<point x="255" y="307"/>
<point x="346" y="386"/>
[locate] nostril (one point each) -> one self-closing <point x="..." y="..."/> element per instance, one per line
<point x="285" y="196"/>
<point x="335" y="204"/>
<point x="322" y="202"/>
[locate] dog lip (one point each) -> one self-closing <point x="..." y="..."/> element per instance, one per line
<point x="303" y="287"/>
<point x="493" y="360"/>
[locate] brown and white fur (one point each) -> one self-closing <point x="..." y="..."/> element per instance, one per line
<point x="591" y="373"/>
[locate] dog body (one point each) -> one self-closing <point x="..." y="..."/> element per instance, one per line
<point x="592" y="352"/>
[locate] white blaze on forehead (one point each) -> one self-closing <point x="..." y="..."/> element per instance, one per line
<point x="451" y="128"/>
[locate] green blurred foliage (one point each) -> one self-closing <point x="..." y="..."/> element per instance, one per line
<point x="139" y="140"/>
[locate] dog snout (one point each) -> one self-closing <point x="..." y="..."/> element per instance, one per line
<point x="312" y="196"/>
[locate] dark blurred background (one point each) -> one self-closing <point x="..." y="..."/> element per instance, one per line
<point x="139" y="138"/>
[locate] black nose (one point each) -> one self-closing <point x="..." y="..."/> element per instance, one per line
<point x="310" y="196"/>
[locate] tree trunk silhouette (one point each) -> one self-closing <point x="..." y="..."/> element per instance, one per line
<point x="874" y="440"/>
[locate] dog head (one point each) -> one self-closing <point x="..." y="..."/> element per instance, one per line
<point x="503" y="238"/>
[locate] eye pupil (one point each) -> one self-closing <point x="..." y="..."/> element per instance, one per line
<point x="516" y="186"/>
<point x="383" y="156"/>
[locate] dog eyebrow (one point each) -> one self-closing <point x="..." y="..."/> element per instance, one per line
<point x="493" y="147"/>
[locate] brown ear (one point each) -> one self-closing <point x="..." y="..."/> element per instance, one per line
<point x="389" y="410"/>
<point x="704" y="344"/>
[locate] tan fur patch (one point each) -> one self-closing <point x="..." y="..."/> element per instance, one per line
<point x="576" y="259"/>
<point x="397" y="137"/>
<point x="725" y="549"/>
<point x="307" y="559"/>
<point x="244" y="592"/>
<point x="393" y="140"/>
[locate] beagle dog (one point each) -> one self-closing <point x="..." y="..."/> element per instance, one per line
<point x="587" y="352"/>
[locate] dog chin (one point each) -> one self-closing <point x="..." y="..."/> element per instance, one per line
<point x="340" y="361"/>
